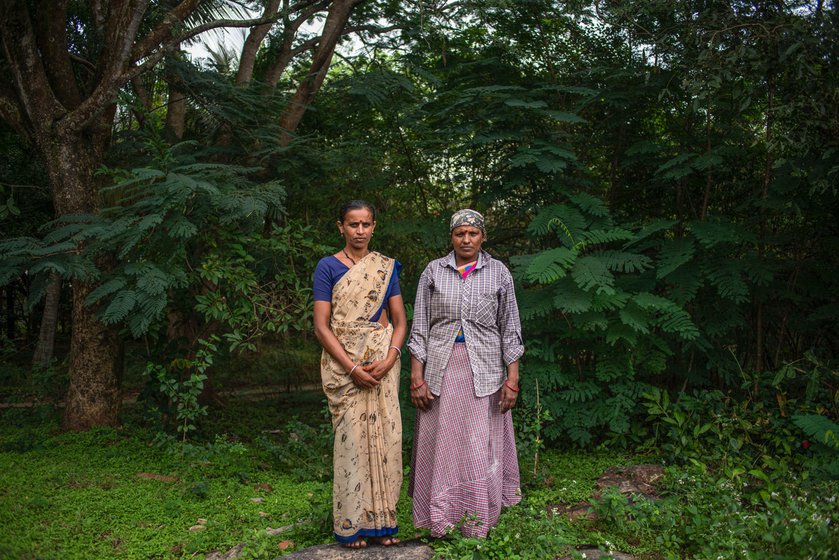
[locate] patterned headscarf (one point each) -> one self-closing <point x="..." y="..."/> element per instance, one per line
<point x="467" y="217"/>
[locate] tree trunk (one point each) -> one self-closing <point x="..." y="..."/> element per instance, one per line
<point x="175" y="115"/>
<point x="49" y="321"/>
<point x="10" y="311"/>
<point x="95" y="369"/>
<point x="761" y="247"/>
<point x="95" y="349"/>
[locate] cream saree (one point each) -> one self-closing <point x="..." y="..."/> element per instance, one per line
<point x="367" y="455"/>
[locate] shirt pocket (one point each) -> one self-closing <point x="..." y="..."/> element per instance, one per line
<point x="485" y="309"/>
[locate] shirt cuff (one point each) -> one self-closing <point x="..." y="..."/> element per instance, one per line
<point x="513" y="352"/>
<point x="417" y="352"/>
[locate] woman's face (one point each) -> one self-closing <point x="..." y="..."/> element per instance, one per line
<point x="467" y="241"/>
<point x="357" y="228"/>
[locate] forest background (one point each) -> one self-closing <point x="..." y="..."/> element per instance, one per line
<point x="661" y="178"/>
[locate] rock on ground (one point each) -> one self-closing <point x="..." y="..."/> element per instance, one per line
<point x="408" y="550"/>
<point x="231" y="554"/>
<point x="632" y="479"/>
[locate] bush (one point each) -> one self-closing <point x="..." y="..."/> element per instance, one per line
<point x="706" y="516"/>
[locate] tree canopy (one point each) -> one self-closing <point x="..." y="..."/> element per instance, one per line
<point x="660" y="177"/>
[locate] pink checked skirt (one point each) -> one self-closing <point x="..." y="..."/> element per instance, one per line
<point x="464" y="467"/>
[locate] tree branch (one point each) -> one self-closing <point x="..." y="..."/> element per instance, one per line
<point x="123" y="25"/>
<point x="276" y="69"/>
<point x="10" y="112"/>
<point x="113" y="80"/>
<point x="143" y="50"/>
<point x="51" y="37"/>
<point x="36" y="104"/>
<point x="374" y="29"/>
<point x="163" y="31"/>
<point x="336" y="21"/>
<point x="257" y="34"/>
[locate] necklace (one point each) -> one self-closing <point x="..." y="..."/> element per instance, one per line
<point x="349" y="257"/>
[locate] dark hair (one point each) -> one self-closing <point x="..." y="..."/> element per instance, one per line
<point x="357" y="204"/>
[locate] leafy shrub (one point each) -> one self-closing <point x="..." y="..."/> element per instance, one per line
<point x="523" y="532"/>
<point x="601" y="323"/>
<point x="714" y="428"/>
<point x="706" y="516"/>
<point x="305" y="452"/>
<point x="762" y="429"/>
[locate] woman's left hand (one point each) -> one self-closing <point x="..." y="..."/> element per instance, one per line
<point x="379" y="368"/>
<point x="508" y="398"/>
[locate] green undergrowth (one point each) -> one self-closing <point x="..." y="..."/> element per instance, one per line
<point x="133" y="492"/>
<point x="114" y="494"/>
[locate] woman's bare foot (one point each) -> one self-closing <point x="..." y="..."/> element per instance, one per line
<point x="357" y="543"/>
<point x="385" y="541"/>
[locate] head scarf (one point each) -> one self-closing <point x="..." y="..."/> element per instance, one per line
<point x="467" y="217"/>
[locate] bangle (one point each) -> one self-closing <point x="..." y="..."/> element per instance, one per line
<point x="415" y="387"/>
<point x="397" y="349"/>
<point x="353" y="369"/>
<point x="510" y="387"/>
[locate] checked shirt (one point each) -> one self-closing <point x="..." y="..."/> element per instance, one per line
<point x="484" y="304"/>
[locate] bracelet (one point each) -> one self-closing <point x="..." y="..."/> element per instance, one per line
<point x="397" y="349"/>
<point x="415" y="387"/>
<point x="353" y="369"/>
<point x="510" y="387"/>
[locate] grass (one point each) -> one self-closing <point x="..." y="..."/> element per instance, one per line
<point x="128" y="493"/>
<point x="110" y="494"/>
<point x="256" y="465"/>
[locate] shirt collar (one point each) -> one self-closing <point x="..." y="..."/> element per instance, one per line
<point x="483" y="258"/>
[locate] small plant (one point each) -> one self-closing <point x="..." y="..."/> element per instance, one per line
<point x="529" y="422"/>
<point x="183" y="394"/>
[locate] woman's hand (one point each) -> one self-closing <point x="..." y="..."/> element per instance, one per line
<point x="379" y="368"/>
<point x="508" y="398"/>
<point x="510" y="388"/>
<point x="363" y="379"/>
<point x="421" y="395"/>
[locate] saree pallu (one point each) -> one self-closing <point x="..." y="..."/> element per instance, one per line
<point x="367" y="454"/>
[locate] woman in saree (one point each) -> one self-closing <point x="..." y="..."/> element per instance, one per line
<point x="359" y="319"/>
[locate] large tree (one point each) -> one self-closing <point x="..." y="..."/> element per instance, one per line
<point x="67" y="63"/>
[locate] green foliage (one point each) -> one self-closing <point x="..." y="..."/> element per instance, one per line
<point x="182" y="383"/>
<point x="824" y="444"/>
<point x="705" y="515"/>
<point x="304" y="452"/>
<point x="612" y="333"/>
<point x="523" y="532"/>
<point x="260" y="285"/>
<point x="72" y="498"/>
<point x="767" y="435"/>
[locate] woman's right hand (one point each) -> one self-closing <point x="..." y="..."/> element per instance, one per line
<point x="363" y="379"/>
<point x="421" y="396"/>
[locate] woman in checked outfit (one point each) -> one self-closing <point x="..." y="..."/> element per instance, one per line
<point x="465" y="345"/>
